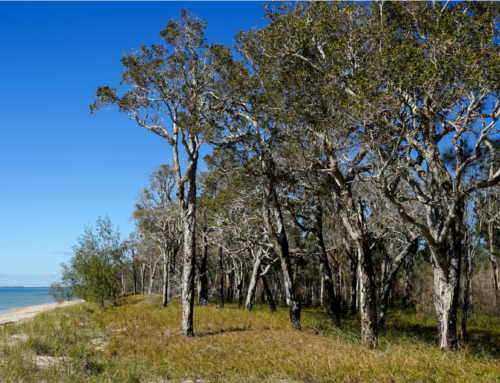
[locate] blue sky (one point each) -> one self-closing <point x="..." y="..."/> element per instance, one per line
<point x="60" y="167"/>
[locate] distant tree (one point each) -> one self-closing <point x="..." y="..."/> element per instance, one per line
<point x="94" y="273"/>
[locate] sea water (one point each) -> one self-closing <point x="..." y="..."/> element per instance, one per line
<point x="14" y="298"/>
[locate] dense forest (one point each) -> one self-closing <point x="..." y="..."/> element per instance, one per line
<point x="354" y="166"/>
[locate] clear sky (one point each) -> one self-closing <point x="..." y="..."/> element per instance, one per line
<point x="60" y="167"/>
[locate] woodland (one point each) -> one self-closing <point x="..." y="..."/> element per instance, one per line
<point x="354" y="168"/>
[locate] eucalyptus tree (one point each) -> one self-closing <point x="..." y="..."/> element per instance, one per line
<point x="314" y="56"/>
<point x="169" y="92"/>
<point x="381" y="87"/>
<point x="439" y="74"/>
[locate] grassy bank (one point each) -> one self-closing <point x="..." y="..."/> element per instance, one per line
<point x="139" y="341"/>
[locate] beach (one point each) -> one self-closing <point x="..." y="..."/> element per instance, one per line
<point x="24" y="313"/>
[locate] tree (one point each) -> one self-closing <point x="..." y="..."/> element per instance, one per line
<point x="438" y="70"/>
<point x="170" y="95"/>
<point x="94" y="272"/>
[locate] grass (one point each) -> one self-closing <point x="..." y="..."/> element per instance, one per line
<point x="139" y="341"/>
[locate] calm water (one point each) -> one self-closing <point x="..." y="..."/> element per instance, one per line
<point x="11" y="299"/>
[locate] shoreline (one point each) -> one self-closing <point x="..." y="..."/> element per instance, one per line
<point x="28" y="312"/>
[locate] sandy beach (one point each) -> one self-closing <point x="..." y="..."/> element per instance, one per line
<point x="29" y="312"/>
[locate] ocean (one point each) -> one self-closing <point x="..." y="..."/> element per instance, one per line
<point x="13" y="298"/>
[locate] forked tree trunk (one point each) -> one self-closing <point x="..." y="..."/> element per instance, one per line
<point x="252" y="286"/>
<point x="410" y="248"/>
<point x="221" y="280"/>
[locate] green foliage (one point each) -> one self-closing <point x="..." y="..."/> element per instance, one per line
<point x="93" y="273"/>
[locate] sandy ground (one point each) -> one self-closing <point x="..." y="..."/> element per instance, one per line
<point x="29" y="312"/>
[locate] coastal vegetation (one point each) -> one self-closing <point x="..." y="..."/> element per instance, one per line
<point x="345" y="225"/>
<point x="141" y="341"/>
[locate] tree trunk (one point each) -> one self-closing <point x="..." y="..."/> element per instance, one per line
<point x="203" y="292"/>
<point x="165" y="277"/>
<point x="466" y="292"/>
<point x="410" y="248"/>
<point x="494" y="265"/>
<point x="253" y="283"/>
<point x="322" y="288"/>
<point x="221" y="281"/>
<point x="281" y="247"/>
<point x="134" y="274"/>
<point x="332" y="299"/>
<point x="446" y="291"/>
<point x="407" y="282"/>
<point x="447" y="285"/>
<point x="268" y="293"/>
<point x="239" y="285"/>
<point x="143" y="276"/>
<point x="188" y="272"/>
<point x="367" y="298"/>
<point x="123" y="283"/>
<point x="230" y="287"/>
<point x="353" y="268"/>
<point x="152" y="277"/>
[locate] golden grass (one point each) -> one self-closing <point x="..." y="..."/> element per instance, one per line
<point x="143" y="342"/>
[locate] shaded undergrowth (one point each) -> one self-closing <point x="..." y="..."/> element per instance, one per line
<point x="140" y="341"/>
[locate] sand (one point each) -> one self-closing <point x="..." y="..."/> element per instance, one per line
<point x="24" y="313"/>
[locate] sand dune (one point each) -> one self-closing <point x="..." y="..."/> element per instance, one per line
<point x="29" y="312"/>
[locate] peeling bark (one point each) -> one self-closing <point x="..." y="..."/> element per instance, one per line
<point x="188" y="273"/>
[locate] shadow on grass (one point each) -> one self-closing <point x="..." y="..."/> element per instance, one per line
<point x="226" y="330"/>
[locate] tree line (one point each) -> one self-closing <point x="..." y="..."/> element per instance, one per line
<point x="349" y="140"/>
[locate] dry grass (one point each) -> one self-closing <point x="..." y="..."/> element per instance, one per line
<point x="142" y="342"/>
